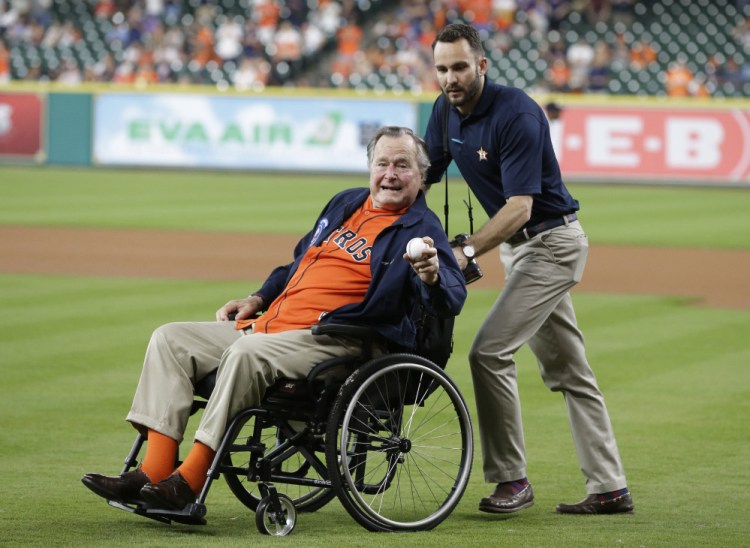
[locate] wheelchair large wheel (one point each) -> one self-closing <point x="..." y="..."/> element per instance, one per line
<point x="255" y="437"/>
<point x="399" y="444"/>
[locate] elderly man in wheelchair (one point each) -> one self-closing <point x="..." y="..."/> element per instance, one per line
<point x="314" y="374"/>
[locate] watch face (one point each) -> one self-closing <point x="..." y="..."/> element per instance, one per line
<point x="469" y="251"/>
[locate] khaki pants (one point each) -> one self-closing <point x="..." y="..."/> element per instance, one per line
<point x="181" y="354"/>
<point x="535" y="307"/>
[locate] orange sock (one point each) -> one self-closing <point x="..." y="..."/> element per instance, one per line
<point x="161" y="453"/>
<point x="195" y="466"/>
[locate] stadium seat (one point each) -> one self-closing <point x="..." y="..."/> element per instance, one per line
<point x="699" y="30"/>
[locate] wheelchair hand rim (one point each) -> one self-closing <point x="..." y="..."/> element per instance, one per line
<point x="466" y="434"/>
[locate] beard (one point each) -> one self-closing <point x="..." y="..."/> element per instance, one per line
<point x="469" y="93"/>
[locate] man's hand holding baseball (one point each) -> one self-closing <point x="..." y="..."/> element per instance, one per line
<point x="427" y="264"/>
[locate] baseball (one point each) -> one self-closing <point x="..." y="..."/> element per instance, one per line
<point x="415" y="247"/>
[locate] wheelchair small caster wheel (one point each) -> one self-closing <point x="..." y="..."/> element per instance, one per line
<point x="277" y="522"/>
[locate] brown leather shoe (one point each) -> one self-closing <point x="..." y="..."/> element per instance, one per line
<point x="593" y="505"/>
<point x="125" y="488"/>
<point x="172" y="493"/>
<point x="505" y="501"/>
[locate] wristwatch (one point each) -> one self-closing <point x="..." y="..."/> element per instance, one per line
<point x="467" y="249"/>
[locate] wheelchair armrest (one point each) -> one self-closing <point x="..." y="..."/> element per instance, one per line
<point x="367" y="335"/>
<point x="233" y="316"/>
<point x="361" y="332"/>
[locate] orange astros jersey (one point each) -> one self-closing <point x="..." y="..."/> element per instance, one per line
<point x="329" y="276"/>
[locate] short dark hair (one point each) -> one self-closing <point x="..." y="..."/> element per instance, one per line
<point x="457" y="31"/>
<point x="423" y="152"/>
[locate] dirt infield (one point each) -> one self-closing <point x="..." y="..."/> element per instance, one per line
<point x="711" y="277"/>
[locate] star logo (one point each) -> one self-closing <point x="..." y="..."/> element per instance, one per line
<point x="482" y="154"/>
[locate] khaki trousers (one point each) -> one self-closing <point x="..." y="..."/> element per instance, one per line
<point x="181" y="354"/>
<point x="535" y="307"/>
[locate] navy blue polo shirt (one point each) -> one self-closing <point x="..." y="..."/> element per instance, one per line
<point x="502" y="149"/>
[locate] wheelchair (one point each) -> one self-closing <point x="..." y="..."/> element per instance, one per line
<point x="390" y="436"/>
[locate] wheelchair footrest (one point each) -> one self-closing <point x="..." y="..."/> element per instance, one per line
<point x="192" y="514"/>
<point x="138" y="510"/>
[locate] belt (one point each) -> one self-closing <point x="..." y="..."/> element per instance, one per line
<point x="530" y="232"/>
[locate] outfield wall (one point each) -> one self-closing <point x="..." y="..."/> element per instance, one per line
<point x="598" y="138"/>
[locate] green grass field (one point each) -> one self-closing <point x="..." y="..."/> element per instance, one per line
<point x="675" y="376"/>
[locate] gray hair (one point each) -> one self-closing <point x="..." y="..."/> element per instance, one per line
<point x="423" y="153"/>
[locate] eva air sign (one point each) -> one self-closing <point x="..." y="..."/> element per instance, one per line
<point x="237" y="132"/>
<point x="175" y="130"/>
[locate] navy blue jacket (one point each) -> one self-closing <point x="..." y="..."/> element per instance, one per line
<point x="502" y="149"/>
<point x="395" y="288"/>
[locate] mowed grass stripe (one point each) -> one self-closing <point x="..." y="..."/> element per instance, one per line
<point x="142" y="199"/>
<point x="74" y="318"/>
<point x="288" y="203"/>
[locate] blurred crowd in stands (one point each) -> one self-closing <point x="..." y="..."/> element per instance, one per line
<point x="577" y="46"/>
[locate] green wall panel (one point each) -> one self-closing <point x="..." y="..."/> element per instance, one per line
<point x="69" y="129"/>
